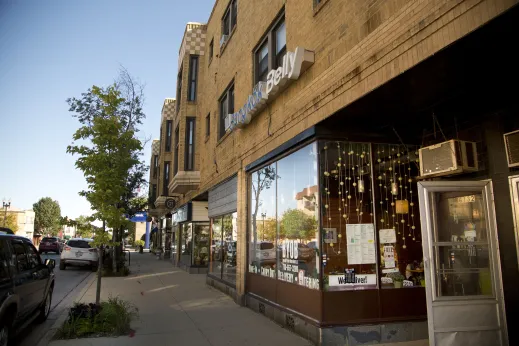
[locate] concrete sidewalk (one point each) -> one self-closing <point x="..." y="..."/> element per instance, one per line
<point x="177" y="308"/>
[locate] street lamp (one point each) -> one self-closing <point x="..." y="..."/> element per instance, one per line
<point x="263" y="215"/>
<point x="5" y="205"/>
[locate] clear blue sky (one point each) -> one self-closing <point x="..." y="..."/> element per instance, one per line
<point x="55" y="49"/>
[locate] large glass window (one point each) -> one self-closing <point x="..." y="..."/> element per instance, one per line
<point x="200" y="244"/>
<point x="348" y="231"/>
<point x="186" y="245"/>
<point x="275" y="43"/>
<point x="284" y="237"/>
<point x="189" y="164"/>
<point x="169" y="125"/>
<point x="193" y="77"/>
<point x="223" y="247"/>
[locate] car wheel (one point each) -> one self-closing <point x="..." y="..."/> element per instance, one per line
<point x="62" y="265"/>
<point x="45" y="307"/>
<point x="5" y="332"/>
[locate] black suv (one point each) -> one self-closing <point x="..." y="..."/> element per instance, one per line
<point x="26" y="285"/>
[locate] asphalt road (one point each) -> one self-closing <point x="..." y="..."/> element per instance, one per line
<point x="67" y="286"/>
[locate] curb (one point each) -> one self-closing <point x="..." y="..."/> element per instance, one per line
<point x="47" y="338"/>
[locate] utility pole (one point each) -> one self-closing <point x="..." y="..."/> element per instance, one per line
<point x="5" y="205"/>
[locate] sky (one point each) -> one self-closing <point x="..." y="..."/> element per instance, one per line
<point x="55" y="49"/>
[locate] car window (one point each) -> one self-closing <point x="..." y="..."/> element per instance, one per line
<point x="82" y="244"/>
<point x="266" y="246"/>
<point x="49" y="239"/>
<point x="33" y="258"/>
<point x="4" y="260"/>
<point x="19" y="253"/>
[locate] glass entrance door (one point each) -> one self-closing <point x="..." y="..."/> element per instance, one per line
<point x="462" y="267"/>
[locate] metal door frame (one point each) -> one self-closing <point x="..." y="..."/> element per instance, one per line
<point x="514" y="197"/>
<point x="428" y="223"/>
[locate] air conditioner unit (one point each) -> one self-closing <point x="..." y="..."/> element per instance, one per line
<point x="447" y="158"/>
<point x="512" y="148"/>
<point x="223" y="40"/>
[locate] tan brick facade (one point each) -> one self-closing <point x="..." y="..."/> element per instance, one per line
<point x="359" y="45"/>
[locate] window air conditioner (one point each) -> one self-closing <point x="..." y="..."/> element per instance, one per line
<point x="447" y="158"/>
<point x="223" y="40"/>
<point x="512" y="148"/>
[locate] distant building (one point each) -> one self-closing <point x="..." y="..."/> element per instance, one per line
<point x="25" y="221"/>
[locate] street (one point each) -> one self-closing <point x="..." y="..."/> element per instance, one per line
<point x="67" y="285"/>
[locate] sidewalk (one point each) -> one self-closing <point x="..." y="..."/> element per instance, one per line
<point x="177" y="308"/>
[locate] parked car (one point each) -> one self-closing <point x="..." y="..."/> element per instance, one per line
<point x="77" y="251"/>
<point x="265" y="253"/>
<point x="50" y="244"/>
<point x="26" y="285"/>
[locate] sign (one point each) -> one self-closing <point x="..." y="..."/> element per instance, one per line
<point x="389" y="256"/>
<point x="387" y="236"/>
<point x="170" y="203"/>
<point x="330" y="235"/>
<point x="361" y="243"/>
<point x="293" y="65"/>
<point x="182" y="214"/>
<point x="139" y="217"/>
<point x="360" y="280"/>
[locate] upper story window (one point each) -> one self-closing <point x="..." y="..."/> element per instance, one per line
<point x="169" y="125"/>
<point x="155" y="165"/>
<point x="270" y="53"/>
<point x="179" y="87"/>
<point x="229" y="18"/>
<point x="175" y="158"/>
<point x="166" y="179"/>
<point x="211" y="49"/>
<point x="193" y="77"/>
<point x="208" y="125"/>
<point x="226" y="108"/>
<point x="189" y="162"/>
<point x="161" y="139"/>
<point x="154" y="193"/>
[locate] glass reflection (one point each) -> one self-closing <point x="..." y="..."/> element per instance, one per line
<point x="230" y="237"/>
<point x="215" y="266"/>
<point x="200" y="244"/>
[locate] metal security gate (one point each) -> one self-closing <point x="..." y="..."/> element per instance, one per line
<point x="462" y="266"/>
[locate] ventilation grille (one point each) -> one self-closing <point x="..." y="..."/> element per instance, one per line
<point x="439" y="158"/>
<point x="290" y="322"/>
<point x="512" y="148"/>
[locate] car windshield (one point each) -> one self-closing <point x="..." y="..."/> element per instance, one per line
<point x="82" y="244"/>
<point x="266" y="246"/>
<point x="52" y="240"/>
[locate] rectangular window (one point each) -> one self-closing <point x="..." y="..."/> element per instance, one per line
<point x="155" y="165"/>
<point x="154" y="193"/>
<point x="177" y="141"/>
<point x="226" y="108"/>
<point x="211" y="49"/>
<point x="179" y="88"/>
<point x="224" y="237"/>
<point x="189" y="164"/>
<point x="274" y="41"/>
<point x="230" y="17"/>
<point x="193" y="76"/>
<point x="169" y="125"/>
<point x="208" y="125"/>
<point x="166" y="179"/>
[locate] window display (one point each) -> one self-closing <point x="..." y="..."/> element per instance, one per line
<point x="223" y="249"/>
<point x="284" y="238"/>
<point x="186" y="243"/>
<point x="200" y="244"/>
<point x="349" y="240"/>
<point x="398" y="217"/>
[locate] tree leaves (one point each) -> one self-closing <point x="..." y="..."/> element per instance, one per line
<point x="47" y="217"/>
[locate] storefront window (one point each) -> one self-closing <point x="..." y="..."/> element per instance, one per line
<point x="398" y="217"/>
<point x="284" y="238"/>
<point x="186" y="244"/>
<point x="348" y="230"/>
<point x="223" y="248"/>
<point x="215" y="264"/>
<point x="200" y="244"/>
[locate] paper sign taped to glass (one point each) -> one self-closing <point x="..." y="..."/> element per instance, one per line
<point x="361" y="243"/>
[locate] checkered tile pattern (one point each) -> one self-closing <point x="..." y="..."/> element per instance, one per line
<point x="168" y="109"/>
<point x="193" y="42"/>
<point x="155" y="147"/>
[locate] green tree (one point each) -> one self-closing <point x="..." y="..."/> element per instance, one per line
<point x="109" y="152"/>
<point x="84" y="228"/>
<point x="123" y="103"/>
<point x="297" y="225"/>
<point x="47" y="219"/>
<point x="267" y="229"/>
<point x="10" y="222"/>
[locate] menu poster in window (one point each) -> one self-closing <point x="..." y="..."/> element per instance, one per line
<point x="389" y="256"/>
<point x="361" y="243"/>
<point x="387" y="236"/>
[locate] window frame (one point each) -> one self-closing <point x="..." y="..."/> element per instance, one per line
<point x="269" y="39"/>
<point x="155" y="165"/>
<point x="179" y="87"/>
<point x="194" y="65"/>
<point x="226" y="96"/>
<point x="177" y="144"/>
<point x="189" y="159"/>
<point x="208" y="125"/>
<point x="230" y="14"/>
<point x="165" y="180"/>
<point x="169" y="128"/>
<point x="211" y="50"/>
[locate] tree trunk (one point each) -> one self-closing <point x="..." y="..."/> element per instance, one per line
<point x="114" y="260"/>
<point x="99" y="272"/>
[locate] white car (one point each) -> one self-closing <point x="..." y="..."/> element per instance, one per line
<point x="77" y="251"/>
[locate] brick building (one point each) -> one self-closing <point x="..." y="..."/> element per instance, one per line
<point x="320" y="155"/>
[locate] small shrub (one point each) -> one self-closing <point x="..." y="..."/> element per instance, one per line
<point x="138" y="243"/>
<point x="111" y="318"/>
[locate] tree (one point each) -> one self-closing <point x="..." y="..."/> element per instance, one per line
<point x="297" y="225"/>
<point x="127" y="97"/>
<point x="109" y="152"/>
<point x="84" y="228"/>
<point x="10" y="222"/>
<point x="267" y="229"/>
<point x="47" y="217"/>
<point x="261" y="180"/>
